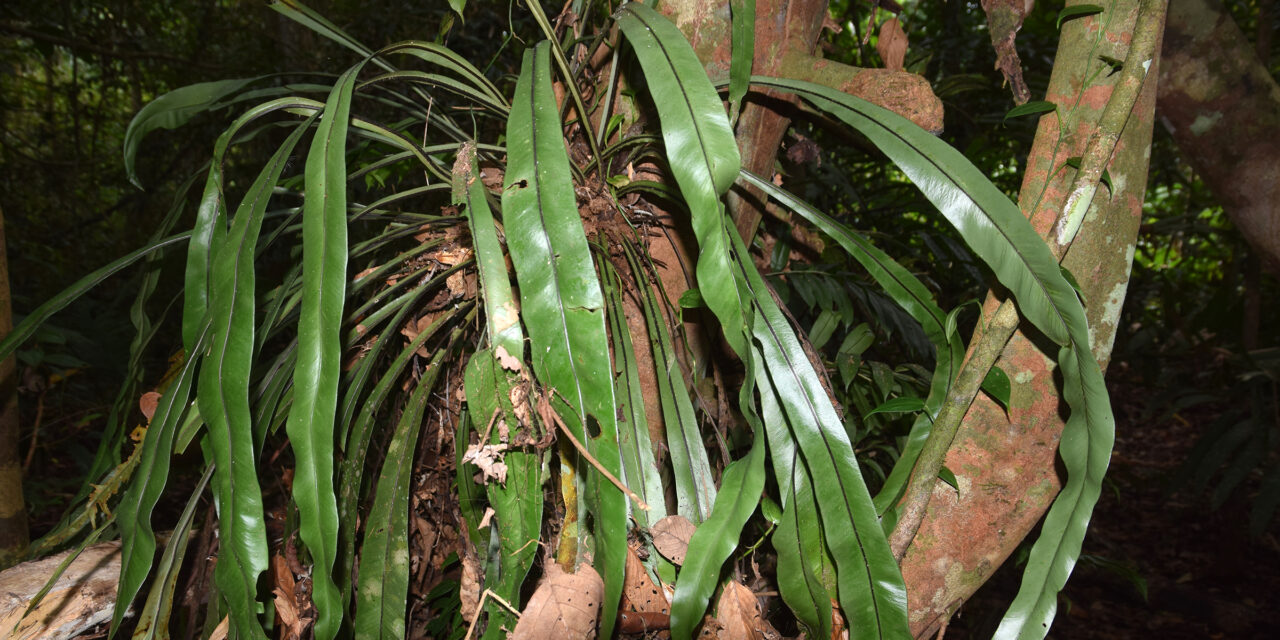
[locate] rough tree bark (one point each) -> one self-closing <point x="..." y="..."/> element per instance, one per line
<point x="785" y="35"/>
<point x="1223" y="108"/>
<point x="1005" y="463"/>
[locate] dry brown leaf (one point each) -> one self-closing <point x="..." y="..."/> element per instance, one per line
<point x="452" y="256"/>
<point x="365" y="273"/>
<point x="148" y="403"/>
<point x="564" y="607"/>
<point x="413" y="329"/>
<point x="291" y="625"/>
<point x="892" y="44"/>
<point x="638" y="589"/>
<point x="837" y="622"/>
<point x="645" y="606"/>
<point x="738" y="615"/>
<point x="282" y="575"/>
<point x="508" y="361"/>
<point x="469" y="590"/>
<point x="220" y="631"/>
<point x="486" y="518"/>
<point x="671" y="537"/>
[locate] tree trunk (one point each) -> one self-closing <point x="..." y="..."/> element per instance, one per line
<point x="13" y="512"/>
<point x="1223" y="108"/>
<point x="785" y="35"/>
<point x="1005" y="463"/>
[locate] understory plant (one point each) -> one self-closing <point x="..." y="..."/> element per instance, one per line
<point x="520" y="305"/>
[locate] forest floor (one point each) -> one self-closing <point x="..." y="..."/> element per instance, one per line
<point x="1204" y="576"/>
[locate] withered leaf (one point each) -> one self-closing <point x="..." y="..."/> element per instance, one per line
<point x="564" y="606"/>
<point x="892" y="44"/>
<point x="671" y="537"/>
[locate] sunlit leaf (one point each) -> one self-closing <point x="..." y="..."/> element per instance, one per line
<point x="223" y="390"/>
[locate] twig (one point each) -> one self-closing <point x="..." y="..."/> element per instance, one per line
<point x="1004" y="322"/>
<point x="35" y="433"/>
<point x="544" y="408"/>
<point x="480" y="609"/>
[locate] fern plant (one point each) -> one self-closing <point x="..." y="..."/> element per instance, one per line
<point x="451" y="247"/>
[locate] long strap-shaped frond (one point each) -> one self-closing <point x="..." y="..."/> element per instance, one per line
<point x="701" y="149"/>
<point x="910" y="294"/>
<point x="224" y="397"/>
<point x="998" y="233"/>
<point x="562" y="304"/>
<point x="315" y="377"/>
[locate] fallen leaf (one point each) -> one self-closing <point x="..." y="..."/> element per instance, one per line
<point x="892" y="44"/>
<point x="486" y="518"/>
<point x="148" y="403"/>
<point x="671" y="537"/>
<point x="413" y="329"/>
<point x="738" y="614"/>
<point x="281" y="573"/>
<point x="638" y="589"/>
<point x="564" y="606"/>
<point x="645" y="606"/>
<point x="291" y="625"/>
<point x="469" y="589"/>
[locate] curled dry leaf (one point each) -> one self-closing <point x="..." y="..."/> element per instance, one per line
<point x="892" y="44"/>
<point x="291" y="624"/>
<point x="148" y="403"/>
<point x="671" y="537"/>
<point x="564" y="607"/>
<point x="488" y="458"/>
